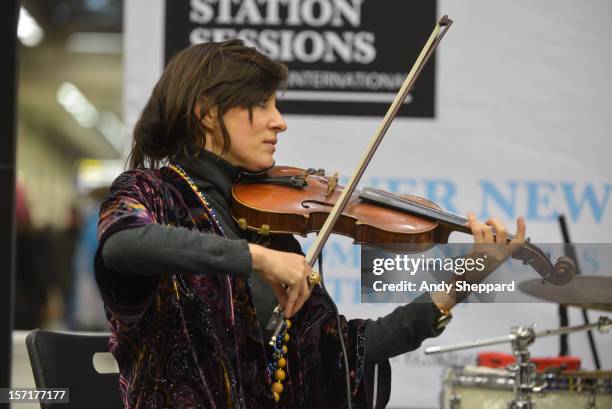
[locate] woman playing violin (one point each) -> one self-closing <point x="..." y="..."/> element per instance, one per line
<point x="188" y="293"/>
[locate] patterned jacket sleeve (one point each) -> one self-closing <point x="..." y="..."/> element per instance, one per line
<point x="134" y="200"/>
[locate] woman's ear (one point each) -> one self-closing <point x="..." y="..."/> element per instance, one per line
<point x="209" y="119"/>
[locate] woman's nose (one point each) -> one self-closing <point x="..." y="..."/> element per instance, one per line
<point x="278" y="122"/>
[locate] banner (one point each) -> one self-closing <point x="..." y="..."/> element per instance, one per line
<point x="345" y="57"/>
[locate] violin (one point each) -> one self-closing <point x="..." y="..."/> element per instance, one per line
<point x="298" y="201"/>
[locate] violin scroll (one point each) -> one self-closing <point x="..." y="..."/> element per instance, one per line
<point x="565" y="267"/>
<point x="561" y="273"/>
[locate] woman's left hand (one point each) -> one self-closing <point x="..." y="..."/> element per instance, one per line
<point x="491" y="237"/>
<point x="490" y="242"/>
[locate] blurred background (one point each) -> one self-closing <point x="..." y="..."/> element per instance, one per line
<point x="70" y="143"/>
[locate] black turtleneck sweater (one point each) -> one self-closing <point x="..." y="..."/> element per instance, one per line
<point x="156" y="249"/>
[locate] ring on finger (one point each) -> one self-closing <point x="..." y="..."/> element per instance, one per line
<point x="313" y="278"/>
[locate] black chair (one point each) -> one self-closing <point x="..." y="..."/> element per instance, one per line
<point x="65" y="360"/>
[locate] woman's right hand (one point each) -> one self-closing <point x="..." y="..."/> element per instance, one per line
<point x="280" y="268"/>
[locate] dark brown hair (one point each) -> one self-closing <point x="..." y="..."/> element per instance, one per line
<point x="225" y="75"/>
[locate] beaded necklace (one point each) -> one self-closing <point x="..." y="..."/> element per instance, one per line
<point x="275" y="374"/>
<point x="216" y="225"/>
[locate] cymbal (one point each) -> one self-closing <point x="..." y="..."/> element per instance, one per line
<point x="592" y="292"/>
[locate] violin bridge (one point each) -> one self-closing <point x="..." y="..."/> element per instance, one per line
<point x="332" y="182"/>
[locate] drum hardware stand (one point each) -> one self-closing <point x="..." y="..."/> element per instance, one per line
<point x="591" y="389"/>
<point x="455" y="398"/>
<point x="524" y="371"/>
<point x="571" y="252"/>
<point x="455" y="401"/>
<point x="592" y="396"/>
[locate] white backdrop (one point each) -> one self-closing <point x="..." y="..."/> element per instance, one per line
<point x="522" y="127"/>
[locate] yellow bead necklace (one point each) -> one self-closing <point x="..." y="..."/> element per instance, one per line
<point x="276" y="373"/>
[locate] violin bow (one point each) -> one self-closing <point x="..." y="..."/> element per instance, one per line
<point x="314" y="251"/>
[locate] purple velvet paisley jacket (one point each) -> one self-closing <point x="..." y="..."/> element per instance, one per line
<point x="193" y="341"/>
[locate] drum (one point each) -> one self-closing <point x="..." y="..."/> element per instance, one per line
<point x="488" y="388"/>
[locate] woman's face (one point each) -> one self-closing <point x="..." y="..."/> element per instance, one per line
<point x="252" y="142"/>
